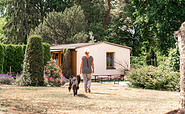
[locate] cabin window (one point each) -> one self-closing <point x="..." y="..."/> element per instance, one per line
<point x="110" y="60"/>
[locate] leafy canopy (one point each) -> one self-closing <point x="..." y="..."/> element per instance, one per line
<point x="61" y="27"/>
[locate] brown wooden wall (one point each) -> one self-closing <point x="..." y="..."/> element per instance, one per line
<point x="74" y="62"/>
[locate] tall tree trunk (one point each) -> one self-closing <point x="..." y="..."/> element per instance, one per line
<point x="181" y="42"/>
<point x="108" y="13"/>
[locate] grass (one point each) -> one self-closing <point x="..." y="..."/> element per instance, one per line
<point x="105" y="98"/>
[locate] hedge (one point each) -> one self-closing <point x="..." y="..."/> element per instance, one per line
<point x="13" y="55"/>
<point x="18" y="58"/>
<point x="9" y="58"/>
<point x="1" y="58"/>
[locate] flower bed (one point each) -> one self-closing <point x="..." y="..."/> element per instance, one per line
<point x="6" y="79"/>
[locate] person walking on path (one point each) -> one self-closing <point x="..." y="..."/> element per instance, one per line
<point x="86" y="69"/>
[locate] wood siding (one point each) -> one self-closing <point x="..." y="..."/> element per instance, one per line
<point x="74" y="58"/>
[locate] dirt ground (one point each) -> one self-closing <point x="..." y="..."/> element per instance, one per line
<point x="104" y="98"/>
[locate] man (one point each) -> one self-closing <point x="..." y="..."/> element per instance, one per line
<point x="87" y="68"/>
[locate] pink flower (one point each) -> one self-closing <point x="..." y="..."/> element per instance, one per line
<point x="52" y="69"/>
<point x="56" y="80"/>
<point x="44" y="66"/>
<point x="50" y="78"/>
<point x="49" y="62"/>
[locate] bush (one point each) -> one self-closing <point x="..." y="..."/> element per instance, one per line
<point x="47" y="54"/>
<point x="67" y="64"/>
<point x="33" y="67"/>
<point x="1" y="57"/>
<point x="150" y="77"/>
<point x="53" y="74"/>
<point x="6" y="79"/>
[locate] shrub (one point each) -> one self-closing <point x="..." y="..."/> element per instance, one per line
<point x="6" y="79"/>
<point x="1" y="57"/>
<point x="53" y="74"/>
<point x="47" y="54"/>
<point x="149" y="77"/>
<point x="67" y="63"/>
<point x="33" y="67"/>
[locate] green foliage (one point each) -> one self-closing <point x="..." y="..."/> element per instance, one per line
<point x="53" y="74"/>
<point x="174" y="59"/>
<point x="47" y="54"/>
<point x="67" y="63"/>
<point x="2" y="23"/>
<point x="95" y="13"/>
<point x="136" y="61"/>
<point x="60" y="27"/>
<point x="13" y="58"/>
<point x="33" y="67"/>
<point x="151" y="58"/>
<point x="13" y="55"/>
<point x="150" y="77"/>
<point x="9" y="58"/>
<point x="157" y="20"/>
<point x="22" y="17"/>
<point x="18" y="58"/>
<point x="80" y="37"/>
<point x="24" y="49"/>
<point x="1" y="57"/>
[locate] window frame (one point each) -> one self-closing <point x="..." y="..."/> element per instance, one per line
<point x="110" y="67"/>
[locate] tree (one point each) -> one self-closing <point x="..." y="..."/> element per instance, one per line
<point x="33" y="67"/>
<point x="60" y="27"/>
<point x="122" y="29"/>
<point x="24" y="15"/>
<point x="181" y="43"/>
<point x="95" y="14"/>
<point x="156" y="20"/>
<point x="108" y="13"/>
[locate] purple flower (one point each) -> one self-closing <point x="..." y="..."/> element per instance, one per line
<point x="6" y="79"/>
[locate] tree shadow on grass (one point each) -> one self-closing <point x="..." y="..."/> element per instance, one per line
<point x="82" y="95"/>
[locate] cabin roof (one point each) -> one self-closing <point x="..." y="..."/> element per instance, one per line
<point x="80" y="45"/>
